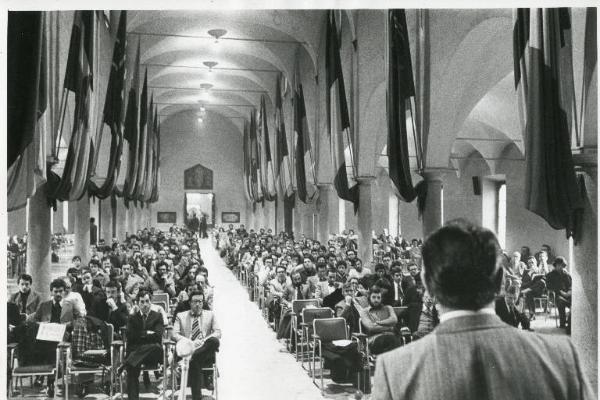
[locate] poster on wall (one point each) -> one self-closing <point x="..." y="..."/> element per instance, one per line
<point x="230" y="217"/>
<point x="198" y="177"/>
<point x="166" y="217"/>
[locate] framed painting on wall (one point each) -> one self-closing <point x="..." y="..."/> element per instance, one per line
<point x="166" y="217"/>
<point x="230" y="217"/>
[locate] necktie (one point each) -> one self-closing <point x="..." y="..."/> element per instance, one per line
<point x="298" y="293"/>
<point x="56" y="312"/>
<point x="195" y="328"/>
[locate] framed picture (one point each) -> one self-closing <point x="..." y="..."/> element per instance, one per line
<point x="166" y="217"/>
<point x="230" y="217"/>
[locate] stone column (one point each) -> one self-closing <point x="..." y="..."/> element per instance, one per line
<point x="38" y="242"/>
<point x="72" y="209"/>
<point x="307" y="221"/>
<point x="365" y="218"/>
<point x="106" y="218"/>
<point x="121" y="217"/>
<point x="82" y="228"/>
<point x="432" y="218"/>
<point x="584" y="272"/>
<point x="57" y="218"/>
<point x="328" y="212"/>
<point x="298" y="215"/>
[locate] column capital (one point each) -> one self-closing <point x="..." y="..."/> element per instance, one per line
<point x="325" y="185"/>
<point x="435" y="174"/>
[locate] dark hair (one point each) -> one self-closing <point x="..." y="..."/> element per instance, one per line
<point x="512" y="289"/>
<point x="76" y="258"/>
<point x="280" y="267"/>
<point x="196" y="293"/>
<point x="95" y="262"/>
<point x="559" y="260"/>
<point x="374" y="289"/>
<point x="396" y="270"/>
<point x="379" y="267"/>
<point x="25" y="277"/>
<point x="143" y="292"/>
<point x="461" y="265"/>
<point x="113" y="284"/>
<point x="321" y="265"/>
<point x="162" y="264"/>
<point x="73" y="270"/>
<point x="58" y="284"/>
<point x="343" y="263"/>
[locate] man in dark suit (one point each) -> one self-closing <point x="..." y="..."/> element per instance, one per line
<point x="113" y="310"/>
<point x="507" y="311"/>
<point x="296" y="291"/>
<point x="93" y="296"/>
<point x="26" y="299"/>
<point x="472" y="354"/>
<point x="144" y="342"/>
<point x="559" y="281"/>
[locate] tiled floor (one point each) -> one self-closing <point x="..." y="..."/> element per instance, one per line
<point x="252" y="363"/>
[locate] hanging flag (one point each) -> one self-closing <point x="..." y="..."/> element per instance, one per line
<point x="338" y="120"/>
<point x="283" y="159"/>
<point x="27" y="91"/>
<point x="113" y="114"/>
<point x="156" y="175"/>
<point x="131" y="132"/>
<point x="400" y="97"/>
<point x="143" y="140"/>
<point x="247" y="163"/>
<point x="306" y="179"/>
<point x="267" y="172"/>
<point x="542" y="78"/>
<point x="149" y="169"/>
<point x="257" y="192"/>
<point x="79" y="80"/>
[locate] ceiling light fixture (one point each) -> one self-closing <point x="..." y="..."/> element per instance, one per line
<point x="210" y="65"/>
<point x="217" y="33"/>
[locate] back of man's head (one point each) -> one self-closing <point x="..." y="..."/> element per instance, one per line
<point x="461" y="265"/>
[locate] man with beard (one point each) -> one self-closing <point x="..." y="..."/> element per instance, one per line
<point x="378" y="321"/>
<point x="296" y="291"/>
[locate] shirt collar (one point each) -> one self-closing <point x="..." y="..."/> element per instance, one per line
<point x="465" y="313"/>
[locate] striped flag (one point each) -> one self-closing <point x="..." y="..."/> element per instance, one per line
<point x="543" y="79"/>
<point x="149" y="170"/>
<point x="156" y="175"/>
<point x="113" y="114"/>
<point x="27" y="91"/>
<point x="255" y="179"/>
<point x="247" y="169"/>
<point x="283" y="159"/>
<point x="338" y="120"/>
<point x="266" y="165"/>
<point x="305" y="168"/>
<point x="79" y="80"/>
<point x="131" y="131"/>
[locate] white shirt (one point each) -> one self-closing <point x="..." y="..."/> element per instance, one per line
<point x="465" y="313"/>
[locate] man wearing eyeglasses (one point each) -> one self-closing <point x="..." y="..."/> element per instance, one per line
<point x="200" y="326"/>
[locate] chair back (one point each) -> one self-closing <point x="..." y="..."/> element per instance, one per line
<point x="163" y="298"/>
<point x="329" y="329"/>
<point x="400" y="310"/>
<point x="299" y="305"/>
<point x="310" y="314"/>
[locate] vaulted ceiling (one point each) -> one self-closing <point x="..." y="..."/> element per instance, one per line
<point x="257" y="45"/>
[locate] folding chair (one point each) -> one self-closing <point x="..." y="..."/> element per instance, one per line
<point x="326" y="331"/>
<point x="162" y="299"/>
<point x="168" y="346"/>
<point x="21" y="371"/>
<point x="297" y="307"/>
<point x="107" y="367"/>
<point x="308" y="316"/>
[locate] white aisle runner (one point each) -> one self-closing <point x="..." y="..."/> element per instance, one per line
<point x="250" y="362"/>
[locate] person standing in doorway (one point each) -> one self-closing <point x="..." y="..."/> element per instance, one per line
<point x="203" y="227"/>
<point x="93" y="231"/>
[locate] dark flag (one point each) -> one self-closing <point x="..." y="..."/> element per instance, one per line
<point x="283" y="159"/>
<point x="255" y="180"/>
<point x="131" y="131"/>
<point x="338" y="120"/>
<point x="543" y="79"/>
<point x="27" y="89"/>
<point x="306" y="179"/>
<point x="143" y="141"/>
<point x="113" y="114"/>
<point x="401" y="92"/>
<point x="247" y="163"/>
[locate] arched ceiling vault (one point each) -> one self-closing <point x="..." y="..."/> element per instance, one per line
<point x="258" y="45"/>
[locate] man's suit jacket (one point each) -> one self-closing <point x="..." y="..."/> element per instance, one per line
<point x="290" y="293"/>
<point x="94" y="301"/>
<point x="323" y="290"/>
<point x="183" y="325"/>
<point x="137" y="330"/>
<point x="44" y="312"/>
<point x="505" y="315"/>
<point x="33" y="301"/>
<point x="480" y="357"/>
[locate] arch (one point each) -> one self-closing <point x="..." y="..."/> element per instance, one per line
<point x="481" y="59"/>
